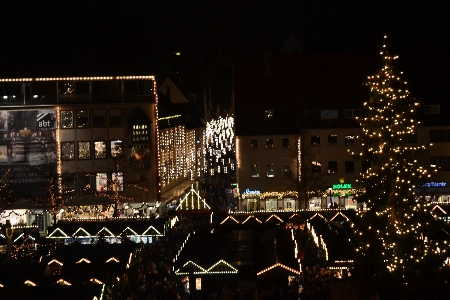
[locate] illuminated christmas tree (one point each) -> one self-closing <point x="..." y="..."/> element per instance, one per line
<point x="396" y="236"/>
<point x="5" y="190"/>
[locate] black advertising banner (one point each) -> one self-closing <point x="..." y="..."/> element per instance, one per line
<point x="28" y="148"/>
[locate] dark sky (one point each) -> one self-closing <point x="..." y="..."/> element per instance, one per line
<point x="210" y="32"/>
<point x="223" y="25"/>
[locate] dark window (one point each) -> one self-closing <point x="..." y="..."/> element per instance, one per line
<point x="365" y="166"/>
<point x="99" y="118"/>
<point x="316" y="167"/>
<point x="86" y="181"/>
<point x="332" y="167"/>
<point x="411" y="138"/>
<point x="83" y="118"/>
<point x="66" y="119"/>
<point x="349" y="166"/>
<point x="254" y="143"/>
<point x="67" y="150"/>
<point x="270" y="170"/>
<point x="332" y="139"/>
<point x="315" y="140"/>
<point x="285" y="142"/>
<point x="443" y="163"/>
<point x="68" y="183"/>
<point x="268" y="114"/>
<point x="269" y="143"/>
<point x="115" y="117"/>
<point x="254" y="171"/>
<point x="439" y="136"/>
<point x="286" y="170"/>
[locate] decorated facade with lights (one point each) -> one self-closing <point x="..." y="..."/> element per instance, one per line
<point x="100" y="132"/>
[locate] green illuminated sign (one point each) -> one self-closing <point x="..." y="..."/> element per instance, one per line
<point x="342" y="186"/>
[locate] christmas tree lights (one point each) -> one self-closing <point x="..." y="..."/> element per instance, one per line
<point x="395" y="236"/>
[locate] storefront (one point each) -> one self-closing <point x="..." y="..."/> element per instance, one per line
<point x="339" y="196"/>
<point x="436" y="192"/>
<point x="254" y="200"/>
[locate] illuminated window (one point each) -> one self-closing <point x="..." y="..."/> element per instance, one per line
<point x="100" y="149"/>
<point x="285" y="142"/>
<point x="101" y="182"/>
<point x="332" y="139"/>
<point x="349" y="139"/>
<point x="84" y="150"/>
<point x="332" y="167"/>
<point x="68" y="151"/>
<point x="83" y="118"/>
<point x="140" y="134"/>
<point x="117" y="148"/>
<point x="349" y="166"/>
<point x="268" y="114"/>
<point x="99" y="117"/>
<point x="117" y="179"/>
<point x="315" y="140"/>
<point x="286" y="170"/>
<point x="316" y="167"/>
<point x="254" y="170"/>
<point x="66" y="119"/>
<point x="270" y="170"/>
<point x="269" y="143"/>
<point x="254" y="143"/>
<point x="115" y="117"/>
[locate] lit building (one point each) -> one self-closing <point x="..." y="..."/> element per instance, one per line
<point x="99" y="133"/>
<point x="295" y="116"/>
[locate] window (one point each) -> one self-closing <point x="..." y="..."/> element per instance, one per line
<point x="83" y="118"/>
<point x="365" y="166"/>
<point x="138" y="87"/>
<point x="411" y="138"/>
<point x="315" y="140"/>
<point x="140" y="134"/>
<point x="99" y="116"/>
<point x="329" y="114"/>
<point x="115" y="117"/>
<point x="352" y="113"/>
<point x="100" y="149"/>
<point x="86" y="181"/>
<point x="349" y="139"/>
<point x="84" y="150"/>
<point x="117" y="181"/>
<point x="349" y="166"/>
<point x="68" y="183"/>
<point x="332" y="167"/>
<point x="439" y="136"/>
<point x="67" y="150"/>
<point x="268" y="114"/>
<point x="286" y="170"/>
<point x="254" y="171"/>
<point x="101" y="182"/>
<point x="442" y="162"/>
<point x="316" y="167"/>
<point x="269" y="143"/>
<point x="117" y="148"/>
<point x="254" y="143"/>
<point x="332" y="139"/>
<point x="431" y="109"/>
<point x="66" y="119"/>
<point x="285" y="142"/>
<point x="270" y="170"/>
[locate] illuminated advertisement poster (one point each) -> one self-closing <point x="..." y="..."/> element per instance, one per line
<point x="28" y="148"/>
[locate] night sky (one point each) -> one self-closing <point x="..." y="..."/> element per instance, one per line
<point x="208" y="33"/>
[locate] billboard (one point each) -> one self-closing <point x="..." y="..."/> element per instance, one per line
<point x="28" y="148"/>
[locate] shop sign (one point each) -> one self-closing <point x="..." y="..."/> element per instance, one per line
<point x="247" y="191"/>
<point x="342" y="186"/>
<point x="435" y="184"/>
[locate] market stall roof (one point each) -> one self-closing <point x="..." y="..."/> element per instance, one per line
<point x="137" y="227"/>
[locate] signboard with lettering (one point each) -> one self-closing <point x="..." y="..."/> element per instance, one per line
<point x="247" y="191"/>
<point x="342" y="186"/>
<point x="435" y="184"/>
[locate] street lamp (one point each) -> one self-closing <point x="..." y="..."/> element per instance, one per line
<point x="329" y="189"/>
